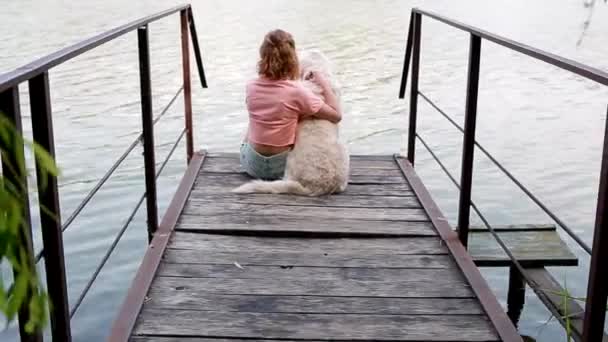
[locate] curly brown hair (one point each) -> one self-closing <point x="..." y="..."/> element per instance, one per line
<point x="278" y="58"/>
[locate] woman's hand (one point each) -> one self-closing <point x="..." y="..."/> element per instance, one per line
<point x="319" y="79"/>
<point x="330" y="109"/>
<point x="329" y="113"/>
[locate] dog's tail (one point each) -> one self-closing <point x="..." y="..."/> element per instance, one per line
<point x="273" y="187"/>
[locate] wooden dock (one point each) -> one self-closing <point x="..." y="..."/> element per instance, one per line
<point x="377" y="262"/>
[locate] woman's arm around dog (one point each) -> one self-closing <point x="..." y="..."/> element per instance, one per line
<point x="330" y="110"/>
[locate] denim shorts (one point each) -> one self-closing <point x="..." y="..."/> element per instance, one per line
<point x="262" y="167"/>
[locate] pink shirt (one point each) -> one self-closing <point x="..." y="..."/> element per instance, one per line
<point x="274" y="109"/>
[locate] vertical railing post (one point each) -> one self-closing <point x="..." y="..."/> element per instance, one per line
<point x="407" y="57"/>
<point x="597" y="288"/>
<point x="50" y="213"/>
<point x="516" y="295"/>
<point x="197" y="49"/>
<point x="12" y="160"/>
<point x="468" y="144"/>
<point x="187" y="84"/>
<point x="148" y="129"/>
<point x="411" y="137"/>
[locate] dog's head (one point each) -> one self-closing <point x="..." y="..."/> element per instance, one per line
<point x="314" y="61"/>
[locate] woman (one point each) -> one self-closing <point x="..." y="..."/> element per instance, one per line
<point x="276" y="101"/>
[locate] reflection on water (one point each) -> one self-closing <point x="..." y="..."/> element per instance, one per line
<point x="544" y="124"/>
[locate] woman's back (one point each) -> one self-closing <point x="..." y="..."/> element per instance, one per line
<point x="274" y="109"/>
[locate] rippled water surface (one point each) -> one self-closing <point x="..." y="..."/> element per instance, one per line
<point x="544" y="124"/>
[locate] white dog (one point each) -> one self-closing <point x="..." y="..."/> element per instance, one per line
<point x="319" y="163"/>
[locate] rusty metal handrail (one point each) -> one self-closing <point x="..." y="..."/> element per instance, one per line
<point x="30" y="70"/>
<point x="515" y="181"/>
<point x="122" y="230"/>
<point x="86" y="200"/>
<point x="517" y="266"/>
<point x="575" y="67"/>
<point x="597" y="291"/>
<point x="37" y="75"/>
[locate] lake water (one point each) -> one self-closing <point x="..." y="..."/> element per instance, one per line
<point x="544" y="124"/>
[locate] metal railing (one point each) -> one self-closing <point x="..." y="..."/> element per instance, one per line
<point x="597" y="292"/>
<point x="37" y="76"/>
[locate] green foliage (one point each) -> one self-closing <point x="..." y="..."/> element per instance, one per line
<point x="566" y="311"/>
<point x="26" y="290"/>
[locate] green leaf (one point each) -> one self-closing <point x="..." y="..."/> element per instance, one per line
<point x="17" y="295"/>
<point x="49" y="213"/>
<point x="26" y="290"/>
<point x="15" y="190"/>
<point x="14" y="218"/>
<point x="36" y="314"/>
<point x="46" y="165"/>
<point x="30" y="326"/>
<point x="3" y="296"/>
<point x="6" y="127"/>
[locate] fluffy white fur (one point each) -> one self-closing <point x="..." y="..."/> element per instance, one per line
<point x="319" y="163"/>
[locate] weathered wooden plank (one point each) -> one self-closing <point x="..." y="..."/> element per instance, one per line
<point x="357" y="167"/>
<point x="248" y="245"/>
<point x="529" y="248"/>
<point x="352" y="179"/>
<point x="372" y="157"/>
<point x="305" y="258"/>
<point x="378" y="190"/>
<point x="226" y="182"/>
<point x="515" y="227"/>
<point x="370" y="214"/>
<point x="306" y="272"/>
<point x="359" y="177"/>
<point x="155" y="338"/>
<point x="353" y="157"/>
<point x="358" y="163"/>
<point x="360" y="174"/>
<point x="225" y="185"/>
<point x="284" y="225"/>
<point x="373" y="178"/>
<point x="170" y="298"/>
<point x="316" y="326"/>
<point x="553" y="295"/>
<point x="325" y="201"/>
<point x="315" y="287"/>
